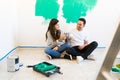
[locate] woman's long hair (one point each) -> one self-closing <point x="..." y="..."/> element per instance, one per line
<point x="54" y="33"/>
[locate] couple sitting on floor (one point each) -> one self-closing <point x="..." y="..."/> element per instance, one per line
<point x="74" y="43"/>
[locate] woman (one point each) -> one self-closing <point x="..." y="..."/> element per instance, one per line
<point x="56" y="41"/>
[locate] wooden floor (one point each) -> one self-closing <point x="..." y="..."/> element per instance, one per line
<point x="85" y="70"/>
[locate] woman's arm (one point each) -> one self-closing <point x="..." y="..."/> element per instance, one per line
<point x="50" y="42"/>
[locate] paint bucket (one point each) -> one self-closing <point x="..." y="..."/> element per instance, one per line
<point x="12" y="63"/>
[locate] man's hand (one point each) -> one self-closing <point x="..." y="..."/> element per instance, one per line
<point x="81" y="47"/>
<point x="85" y="44"/>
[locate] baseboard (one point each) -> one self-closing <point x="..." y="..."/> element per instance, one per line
<point x="11" y="51"/>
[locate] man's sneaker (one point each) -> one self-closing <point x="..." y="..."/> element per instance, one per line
<point x="68" y="56"/>
<point x="79" y="59"/>
<point x="89" y="58"/>
<point x="74" y="57"/>
<point x="49" y="56"/>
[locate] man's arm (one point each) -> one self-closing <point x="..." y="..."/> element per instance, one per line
<point x="85" y="44"/>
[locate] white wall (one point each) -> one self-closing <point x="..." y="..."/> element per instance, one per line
<point x="8" y="26"/>
<point x="20" y="27"/>
<point x="101" y="23"/>
<point x="31" y="28"/>
<point x="103" y="20"/>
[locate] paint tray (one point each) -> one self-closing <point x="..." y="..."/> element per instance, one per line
<point x="46" y="68"/>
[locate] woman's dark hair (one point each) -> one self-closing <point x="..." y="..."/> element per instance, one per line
<point x="54" y="33"/>
<point x="83" y="20"/>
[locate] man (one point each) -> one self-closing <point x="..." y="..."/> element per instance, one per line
<point x="79" y="42"/>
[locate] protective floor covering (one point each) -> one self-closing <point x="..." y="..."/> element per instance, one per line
<point x="85" y="70"/>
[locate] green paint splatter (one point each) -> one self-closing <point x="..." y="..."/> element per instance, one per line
<point x="73" y="9"/>
<point x="47" y="8"/>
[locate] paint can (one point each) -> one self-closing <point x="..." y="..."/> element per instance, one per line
<point x="12" y="63"/>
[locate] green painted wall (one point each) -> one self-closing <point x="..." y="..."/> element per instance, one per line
<point x="72" y="9"/>
<point x="47" y="8"/>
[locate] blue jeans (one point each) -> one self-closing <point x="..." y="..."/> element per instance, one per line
<point x="58" y="52"/>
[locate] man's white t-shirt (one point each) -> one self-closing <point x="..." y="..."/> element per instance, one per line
<point x="77" y="37"/>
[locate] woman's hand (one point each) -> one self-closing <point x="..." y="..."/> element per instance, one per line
<point x="55" y="48"/>
<point x="62" y="37"/>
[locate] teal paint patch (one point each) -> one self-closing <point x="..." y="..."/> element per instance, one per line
<point x="74" y="9"/>
<point x="47" y="8"/>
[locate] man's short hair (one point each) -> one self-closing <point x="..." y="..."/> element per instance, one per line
<point x="82" y="19"/>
